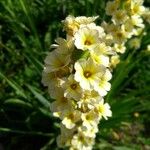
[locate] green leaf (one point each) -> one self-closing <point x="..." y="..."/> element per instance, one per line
<point x="122" y="148"/>
<point x="39" y="97"/>
<point x="14" y="85"/>
<point x="9" y="130"/>
<point x="18" y="102"/>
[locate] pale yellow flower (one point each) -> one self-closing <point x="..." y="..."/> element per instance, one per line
<point x="90" y="119"/>
<point x="81" y="142"/>
<point x="103" y="109"/>
<point x="62" y="140"/>
<point x="47" y="78"/>
<point x="65" y="138"/>
<point x="136" y="7"/>
<point x="102" y="49"/>
<point x="72" y="88"/>
<point x="148" y="48"/>
<point x="111" y="7"/>
<point x="86" y="38"/>
<point x="70" y="118"/>
<point x="55" y="61"/>
<point x="88" y="100"/>
<point x="63" y="46"/>
<point x="61" y="104"/>
<point x="119" y="17"/>
<point x="100" y="59"/>
<point x="110" y="27"/>
<point x="88" y="73"/>
<point x="53" y="82"/>
<point x="104" y="86"/>
<point x="120" y="36"/>
<point x="135" y="43"/>
<point x="70" y="25"/>
<point x="54" y="89"/>
<point x="90" y="132"/>
<point x="114" y="61"/>
<point x="95" y="27"/>
<point x="146" y="15"/>
<point x="119" y="48"/>
<point x="129" y="27"/>
<point x="85" y="20"/>
<point x="137" y="21"/>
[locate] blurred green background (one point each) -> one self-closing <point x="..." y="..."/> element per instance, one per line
<point x="27" y="29"/>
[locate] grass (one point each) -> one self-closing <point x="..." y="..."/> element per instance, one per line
<point x="27" y="29"/>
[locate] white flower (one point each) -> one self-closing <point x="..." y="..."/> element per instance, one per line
<point x="88" y="73"/>
<point x="86" y="38"/>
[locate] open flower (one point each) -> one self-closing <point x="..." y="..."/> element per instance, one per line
<point x="119" y="17"/>
<point x="86" y="38"/>
<point x="100" y="59"/>
<point x="111" y="7"/>
<point x="88" y="73"/>
<point x="88" y="100"/>
<point x="70" y="118"/>
<point x="72" y="88"/>
<point x="103" y="109"/>
<point x="63" y="46"/>
<point x="81" y="142"/>
<point x="104" y="86"/>
<point x="61" y="105"/>
<point x="90" y="119"/>
<point x="119" y="48"/>
<point x="55" y="61"/>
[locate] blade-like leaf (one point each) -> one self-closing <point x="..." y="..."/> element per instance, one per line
<point x="39" y="97"/>
<point x="14" y="85"/>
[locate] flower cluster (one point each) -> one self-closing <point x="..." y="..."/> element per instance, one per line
<point x="78" y="70"/>
<point x="126" y="22"/>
